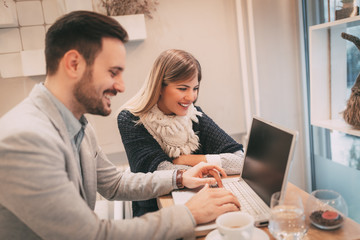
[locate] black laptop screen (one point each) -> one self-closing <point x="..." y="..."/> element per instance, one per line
<point x="266" y="158"/>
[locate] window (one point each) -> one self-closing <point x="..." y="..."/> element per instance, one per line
<point x="335" y="150"/>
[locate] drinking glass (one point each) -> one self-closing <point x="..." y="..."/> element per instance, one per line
<point x="287" y="219"/>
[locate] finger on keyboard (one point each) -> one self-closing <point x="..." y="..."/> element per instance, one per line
<point x="216" y="175"/>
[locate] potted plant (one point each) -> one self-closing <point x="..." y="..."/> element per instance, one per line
<point x="129" y="7"/>
<point x="130" y="14"/>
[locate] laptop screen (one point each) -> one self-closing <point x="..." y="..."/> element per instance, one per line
<point x="268" y="156"/>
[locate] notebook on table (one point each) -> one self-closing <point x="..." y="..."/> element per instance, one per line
<point x="267" y="161"/>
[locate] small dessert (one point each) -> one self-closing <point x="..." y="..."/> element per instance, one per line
<point x="326" y="219"/>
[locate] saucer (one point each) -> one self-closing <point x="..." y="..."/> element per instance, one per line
<point x="258" y="234"/>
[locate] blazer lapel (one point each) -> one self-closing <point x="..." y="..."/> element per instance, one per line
<point x="88" y="171"/>
<point x="44" y="103"/>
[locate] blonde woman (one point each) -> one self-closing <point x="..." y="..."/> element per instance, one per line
<point x="162" y="129"/>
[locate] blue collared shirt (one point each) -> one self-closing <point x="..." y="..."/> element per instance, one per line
<point x="75" y="127"/>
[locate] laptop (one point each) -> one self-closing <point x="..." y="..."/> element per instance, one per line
<point x="267" y="161"/>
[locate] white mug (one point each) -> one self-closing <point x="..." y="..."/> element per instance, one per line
<point x="235" y="225"/>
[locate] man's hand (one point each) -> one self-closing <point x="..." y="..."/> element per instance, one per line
<point x="193" y="177"/>
<point x="209" y="203"/>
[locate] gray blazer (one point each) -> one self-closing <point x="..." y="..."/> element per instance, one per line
<point x="42" y="195"/>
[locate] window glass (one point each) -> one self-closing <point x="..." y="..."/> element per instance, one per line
<point x="337" y="166"/>
<point x="335" y="155"/>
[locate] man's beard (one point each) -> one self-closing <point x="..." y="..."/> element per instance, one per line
<point x="86" y="95"/>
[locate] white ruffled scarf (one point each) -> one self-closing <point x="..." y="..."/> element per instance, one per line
<point x="174" y="133"/>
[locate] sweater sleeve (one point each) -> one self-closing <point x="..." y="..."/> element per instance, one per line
<point x="143" y="151"/>
<point x="232" y="163"/>
<point x="170" y="166"/>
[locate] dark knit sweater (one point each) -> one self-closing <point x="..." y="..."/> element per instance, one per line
<point x="145" y="154"/>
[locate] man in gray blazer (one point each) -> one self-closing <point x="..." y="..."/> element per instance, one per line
<point x="51" y="165"/>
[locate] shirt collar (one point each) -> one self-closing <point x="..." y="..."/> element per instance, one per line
<point x="73" y="125"/>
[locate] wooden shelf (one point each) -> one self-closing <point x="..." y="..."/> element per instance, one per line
<point x="346" y="22"/>
<point x="328" y="75"/>
<point x="337" y="125"/>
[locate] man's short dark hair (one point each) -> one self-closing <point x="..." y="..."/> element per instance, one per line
<point x="82" y="31"/>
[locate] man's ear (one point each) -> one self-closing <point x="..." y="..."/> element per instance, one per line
<point x="73" y="63"/>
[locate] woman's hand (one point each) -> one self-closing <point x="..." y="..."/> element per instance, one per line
<point x="190" y="160"/>
<point x="194" y="177"/>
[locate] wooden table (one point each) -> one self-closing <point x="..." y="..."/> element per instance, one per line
<point x="349" y="231"/>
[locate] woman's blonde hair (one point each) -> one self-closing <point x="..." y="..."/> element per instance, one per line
<point x="171" y="66"/>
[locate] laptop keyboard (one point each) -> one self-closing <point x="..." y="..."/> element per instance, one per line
<point x="248" y="199"/>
